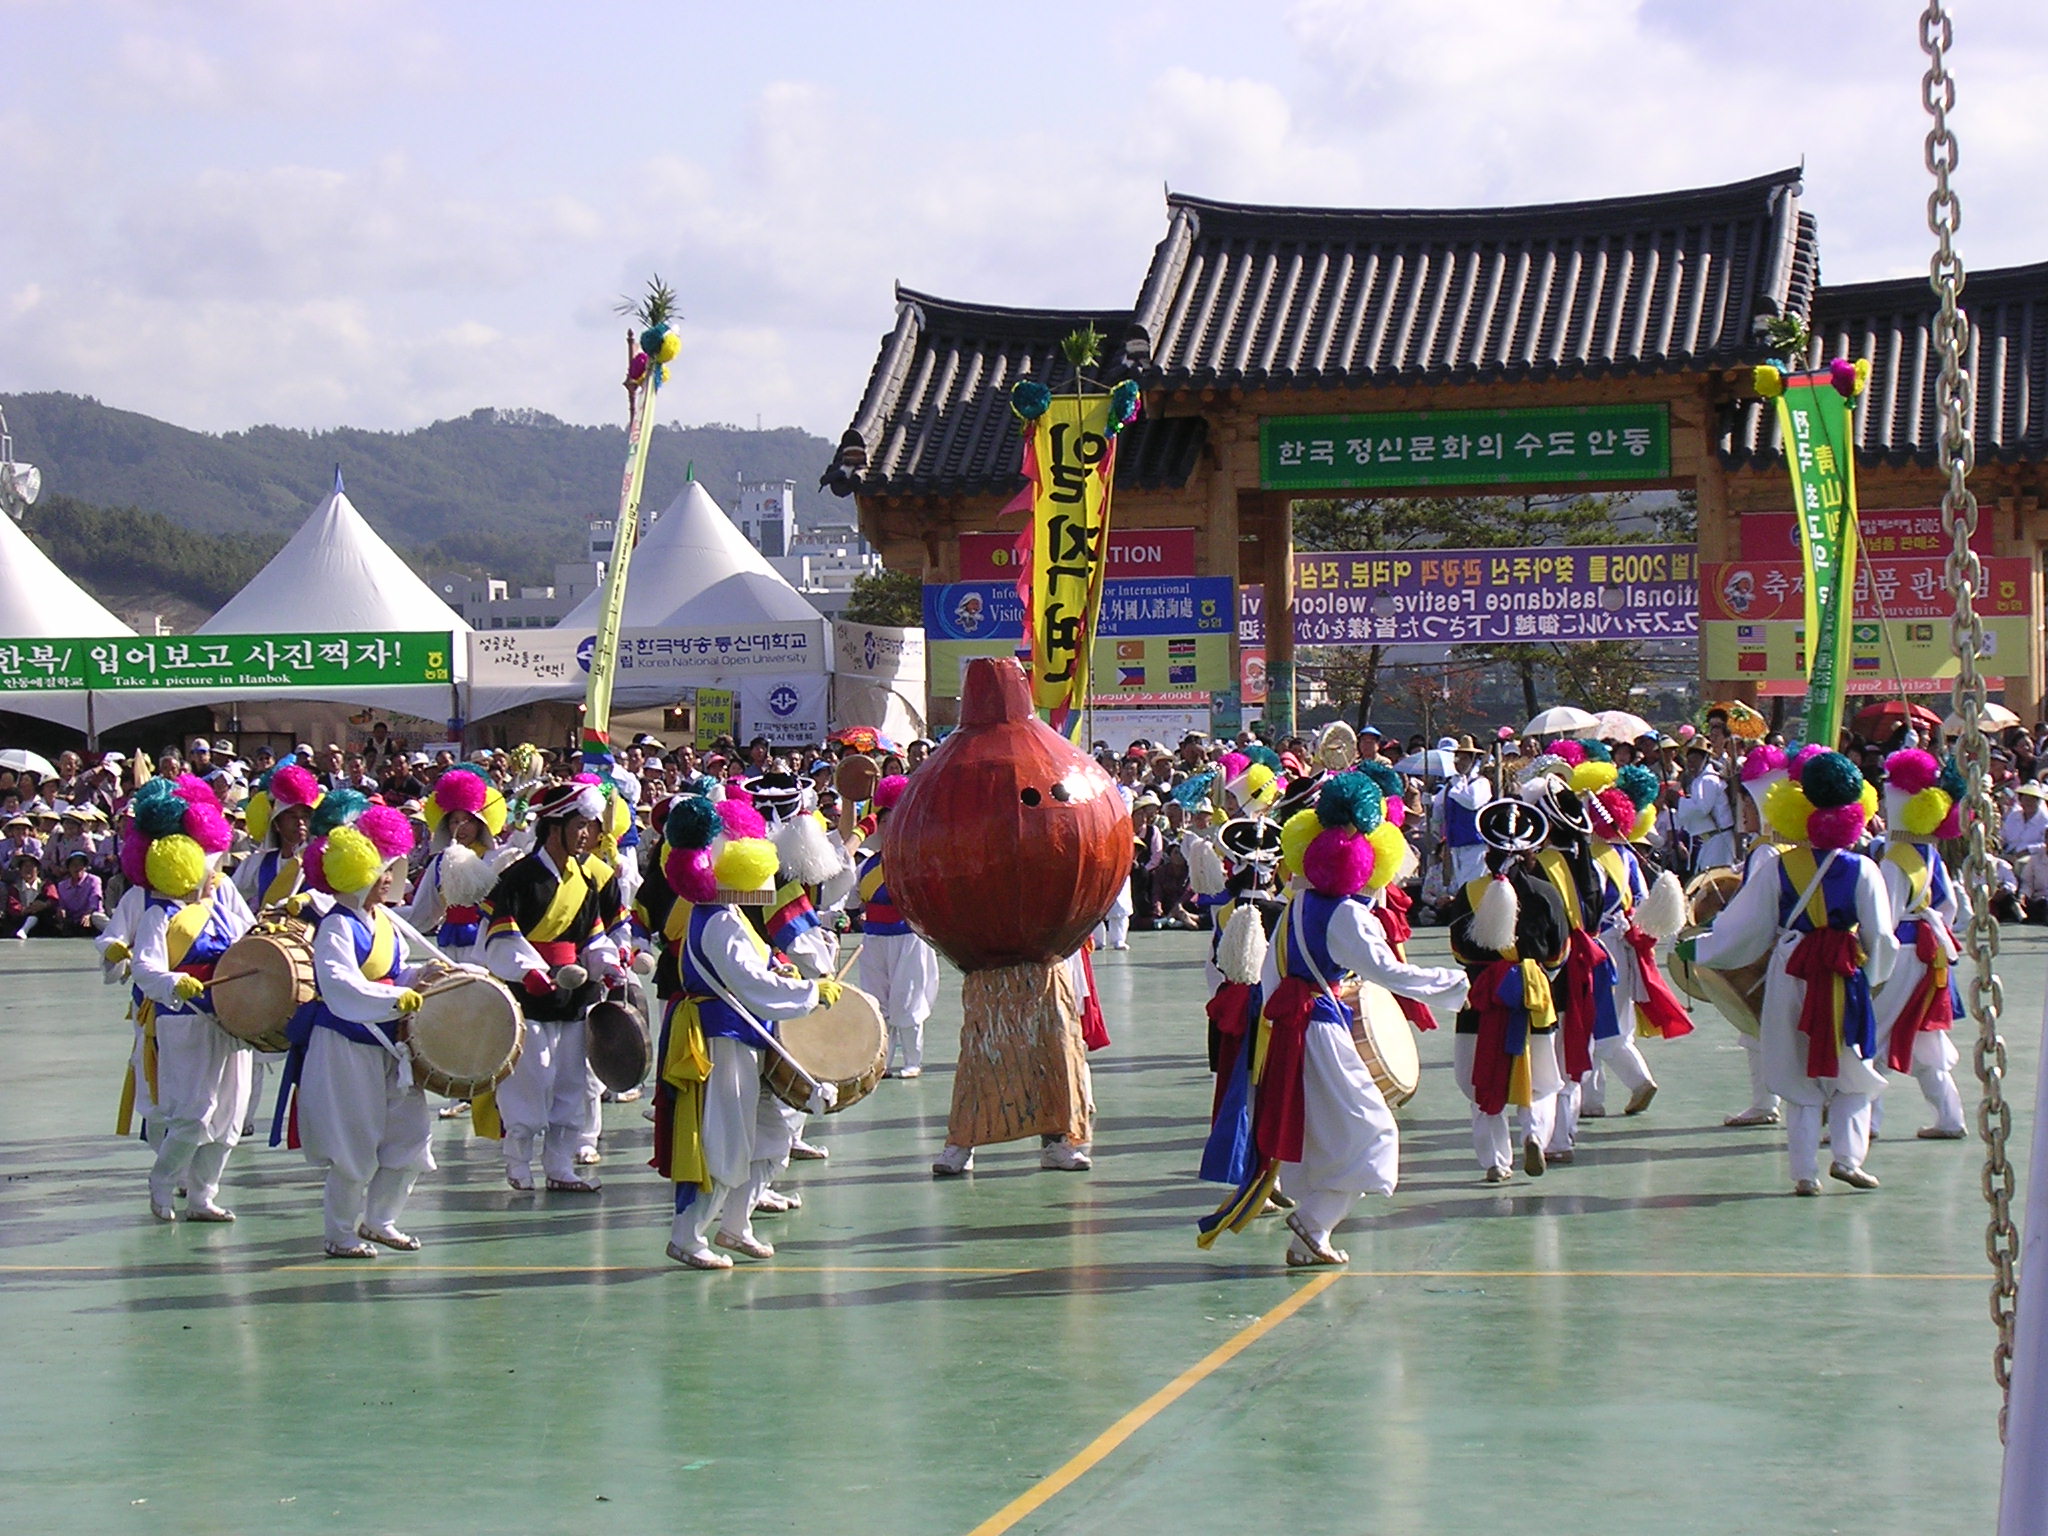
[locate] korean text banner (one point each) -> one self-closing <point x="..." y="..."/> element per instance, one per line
<point x="713" y="715"/>
<point x="44" y="666"/>
<point x="512" y="658"/>
<point x="1132" y="552"/>
<point x="1494" y="447"/>
<point x="1813" y="417"/>
<point x="256" y="662"/>
<point x="1070" y="464"/>
<point x="1148" y="669"/>
<point x="1493" y="596"/>
<point x="990" y="610"/>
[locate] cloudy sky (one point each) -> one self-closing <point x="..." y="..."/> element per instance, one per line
<point x="380" y="212"/>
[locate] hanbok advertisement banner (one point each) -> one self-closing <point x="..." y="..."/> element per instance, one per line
<point x="150" y="662"/>
<point x="1156" y="636"/>
<point x="1490" y="596"/>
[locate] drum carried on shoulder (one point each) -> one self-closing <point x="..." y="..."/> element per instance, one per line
<point x="1384" y="1038"/>
<point x="845" y="1044"/>
<point x="1737" y="993"/>
<point x="264" y="978"/>
<point x="465" y="1038"/>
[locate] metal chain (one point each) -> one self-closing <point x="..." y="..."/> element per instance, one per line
<point x="1954" y="396"/>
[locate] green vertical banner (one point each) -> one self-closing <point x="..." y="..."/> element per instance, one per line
<point x="1813" y="416"/>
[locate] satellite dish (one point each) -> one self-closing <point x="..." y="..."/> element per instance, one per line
<point x="24" y="482"/>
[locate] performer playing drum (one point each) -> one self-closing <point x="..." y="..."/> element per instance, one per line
<point x="548" y="930"/>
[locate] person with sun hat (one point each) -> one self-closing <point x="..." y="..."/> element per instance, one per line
<point x="359" y="1116"/>
<point x="1821" y="912"/>
<point x="200" y="1083"/>
<point x="1319" y="1123"/>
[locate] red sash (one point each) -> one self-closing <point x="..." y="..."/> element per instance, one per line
<point x="556" y="952"/>
<point x="1659" y="1004"/>
<point x="1393" y="916"/>
<point x="1280" y="1116"/>
<point x="1929" y="1005"/>
<point x="1230" y="1014"/>
<point x="1492" y="1066"/>
<point x="1581" y="960"/>
<point x="1817" y="960"/>
<point x="1094" y="1028"/>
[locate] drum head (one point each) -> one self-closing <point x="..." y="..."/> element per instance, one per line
<point x="615" y="1041"/>
<point x="261" y="985"/>
<point x="857" y="776"/>
<point x="1391" y="1036"/>
<point x="839" y="1043"/>
<point x="467" y="1029"/>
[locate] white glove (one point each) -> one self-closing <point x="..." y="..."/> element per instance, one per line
<point x="823" y="1097"/>
<point x="570" y="977"/>
<point x="643" y="963"/>
<point x="612" y="975"/>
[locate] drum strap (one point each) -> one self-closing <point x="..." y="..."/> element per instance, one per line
<point x="563" y="906"/>
<point x="745" y="1014"/>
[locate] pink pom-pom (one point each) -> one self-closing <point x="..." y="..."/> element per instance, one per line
<point x="741" y="819"/>
<point x="690" y="875"/>
<point x="1836" y="826"/>
<point x="1952" y="823"/>
<point x="193" y="790"/>
<point x="1232" y="764"/>
<point x="134" y="854"/>
<point x="1573" y="752"/>
<point x="1395" y="810"/>
<point x="1762" y="759"/>
<point x="1338" y="862"/>
<point x="736" y="792"/>
<point x="587" y="778"/>
<point x="388" y="830"/>
<point x="888" y="791"/>
<point x="314" y="866"/>
<point x="1687" y="732"/>
<point x="293" y="785"/>
<point x="207" y="827"/>
<point x="1803" y="756"/>
<point x="1911" y="771"/>
<point x="463" y="792"/>
<point x="1613" y="813"/>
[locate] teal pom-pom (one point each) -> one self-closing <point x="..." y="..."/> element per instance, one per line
<point x="1264" y="755"/>
<point x="1030" y="399"/>
<point x="158" y="809"/>
<point x="1638" y="783"/>
<point x="1351" y="800"/>
<point x="1597" y="752"/>
<point x="1383" y="775"/>
<point x="339" y="806"/>
<point x="1830" y="779"/>
<point x="692" y="823"/>
<point x="1951" y="782"/>
<point x="1124" y="401"/>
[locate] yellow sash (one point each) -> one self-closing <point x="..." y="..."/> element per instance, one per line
<point x="563" y="909"/>
<point x="1559" y="874"/>
<point x="1609" y="860"/>
<point x="871" y="881"/>
<point x="383" y="955"/>
<point x="283" y="883"/>
<point x="684" y="1067"/>
<point x="1799" y="868"/>
<point x="186" y="924"/>
<point x="1919" y="878"/>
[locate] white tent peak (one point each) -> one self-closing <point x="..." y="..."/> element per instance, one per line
<point x="335" y="574"/>
<point x="38" y="601"/>
<point x="694" y="569"/>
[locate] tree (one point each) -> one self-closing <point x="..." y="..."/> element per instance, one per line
<point x="887" y="597"/>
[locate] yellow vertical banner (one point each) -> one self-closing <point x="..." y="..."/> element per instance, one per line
<point x="1073" y="459"/>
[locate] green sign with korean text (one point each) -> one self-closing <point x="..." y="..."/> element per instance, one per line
<point x="1387" y="450"/>
<point x="273" y="663"/>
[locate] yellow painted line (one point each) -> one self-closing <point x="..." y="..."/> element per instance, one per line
<point x="1102" y="1445"/>
<point x="1640" y="1274"/>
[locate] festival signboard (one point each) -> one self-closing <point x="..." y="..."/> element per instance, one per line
<point x="712" y="716"/>
<point x="1130" y="552"/>
<point x="1156" y="637"/>
<point x="1407" y="449"/>
<point x="255" y="663"/>
<point x="1884" y="533"/>
<point x="789" y="711"/>
<point x="1753" y="627"/>
<point x="1491" y="596"/>
<point x="648" y="659"/>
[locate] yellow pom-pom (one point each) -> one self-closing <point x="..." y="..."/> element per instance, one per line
<point x="257" y="812"/>
<point x="1389" y="854"/>
<point x="1870" y="800"/>
<point x="1767" y="381"/>
<point x="670" y="349"/>
<point x="1862" y="374"/>
<point x="618" y="816"/>
<point x="1590" y="777"/>
<point x="351" y="861"/>
<point x="495" y="811"/>
<point x="1646" y="823"/>
<point x="1296" y="833"/>
<point x="175" y="865"/>
<point x="1786" y="809"/>
<point x="1924" y="812"/>
<point x="747" y="864"/>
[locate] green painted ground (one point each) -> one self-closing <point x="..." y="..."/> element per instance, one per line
<point x="1658" y="1338"/>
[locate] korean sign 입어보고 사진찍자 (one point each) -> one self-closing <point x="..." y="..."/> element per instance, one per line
<point x="1573" y="444"/>
<point x="1493" y="596"/>
<point x="144" y="662"/>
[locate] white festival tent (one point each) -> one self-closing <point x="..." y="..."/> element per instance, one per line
<point x="334" y="575"/>
<point x="696" y="589"/>
<point x="39" y="602"/>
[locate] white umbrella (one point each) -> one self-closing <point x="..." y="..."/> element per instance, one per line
<point x="1996" y="717"/>
<point x="1563" y="720"/>
<point x="1431" y="764"/>
<point x="1620" y="725"/>
<point x="23" y="761"/>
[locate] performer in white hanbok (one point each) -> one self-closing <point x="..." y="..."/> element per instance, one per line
<point x="280" y="819"/>
<point x="897" y="966"/>
<point x="1764" y="768"/>
<point x="1821" y="913"/>
<point x="116" y="946"/>
<point x="466" y="816"/>
<point x="1319" y="1123"/>
<point x="1706" y="814"/>
<point x="1915" y="1009"/>
<point x="191" y="916"/>
<point x="1457" y="809"/>
<point x="359" y="1116"/>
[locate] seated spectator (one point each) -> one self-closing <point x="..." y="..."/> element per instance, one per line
<point x="80" y="909"/>
<point x="18" y="840"/>
<point x="28" y="897"/>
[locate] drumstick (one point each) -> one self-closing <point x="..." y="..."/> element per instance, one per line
<point x="434" y="951"/>
<point x="220" y="981"/>
<point x="840" y="974"/>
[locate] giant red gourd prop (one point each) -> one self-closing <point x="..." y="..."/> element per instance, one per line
<point x="1008" y="844"/>
<point x="1007" y="848"/>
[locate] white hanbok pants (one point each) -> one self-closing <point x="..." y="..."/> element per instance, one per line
<point x="202" y="1096"/>
<point x="746" y="1138"/>
<point x="369" y="1130"/>
<point x="548" y="1091"/>
<point x="901" y="971"/>
<point x="1847" y="1096"/>
<point x="1468" y="863"/>
<point x="1351" y="1145"/>
<point x="1491" y="1141"/>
